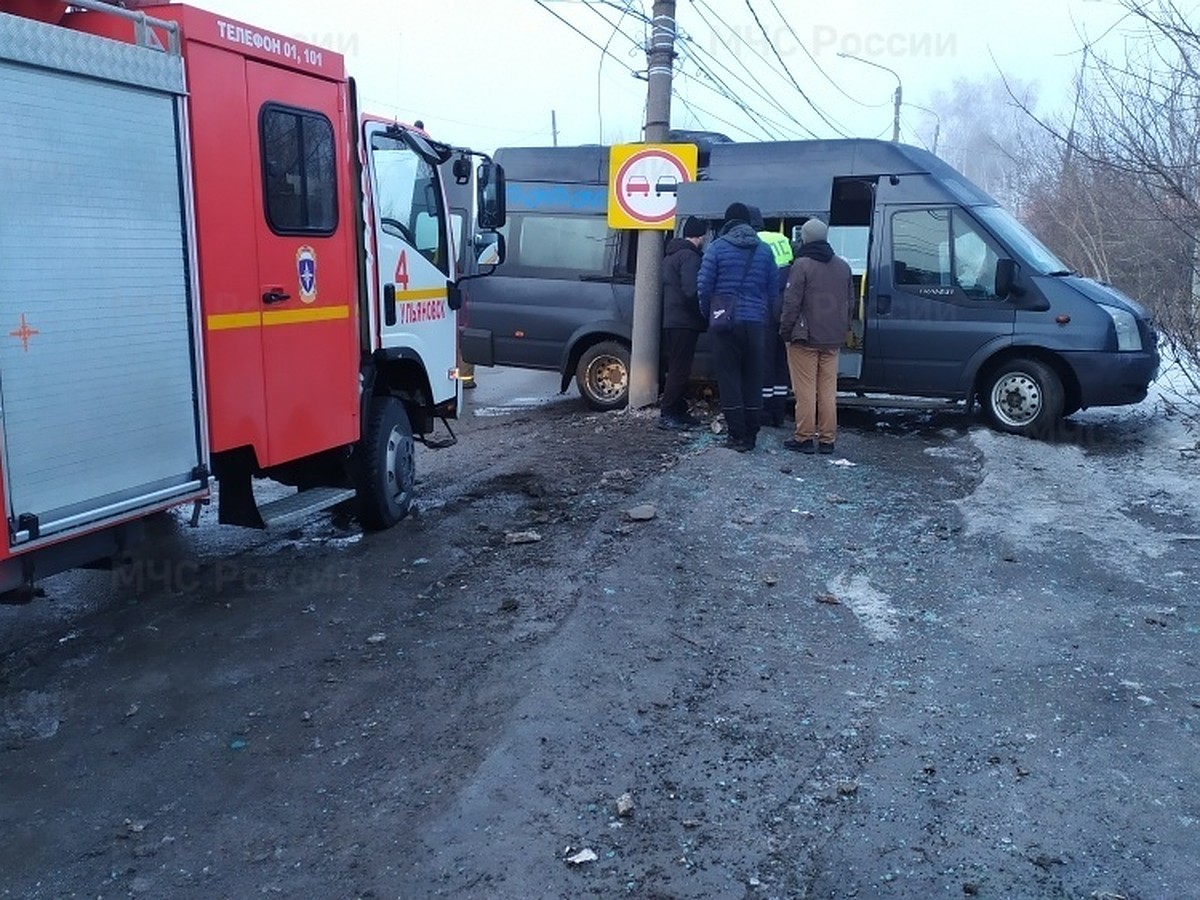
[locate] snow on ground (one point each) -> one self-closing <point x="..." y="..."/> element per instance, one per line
<point x="870" y="606"/>
<point x="1124" y="477"/>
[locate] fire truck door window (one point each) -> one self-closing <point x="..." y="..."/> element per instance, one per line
<point x="299" y="183"/>
<point x="409" y="201"/>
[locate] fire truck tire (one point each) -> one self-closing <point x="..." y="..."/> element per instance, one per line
<point x="386" y="465"/>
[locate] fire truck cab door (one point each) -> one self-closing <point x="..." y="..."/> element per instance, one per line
<point x="305" y="281"/>
<point x="413" y="249"/>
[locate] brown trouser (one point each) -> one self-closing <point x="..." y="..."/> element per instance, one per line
<point x="814" y="382"/>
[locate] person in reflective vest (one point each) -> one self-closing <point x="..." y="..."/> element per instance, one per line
<point x="776" y="379"/>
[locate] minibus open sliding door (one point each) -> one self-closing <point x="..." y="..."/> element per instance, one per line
<point x="851" y="208"/>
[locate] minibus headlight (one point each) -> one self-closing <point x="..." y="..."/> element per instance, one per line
<point x="1128" y="336"/>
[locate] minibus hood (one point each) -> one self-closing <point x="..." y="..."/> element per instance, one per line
<point x="1106" y="294"/>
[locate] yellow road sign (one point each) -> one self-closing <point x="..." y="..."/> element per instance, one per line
<point x="642" y="183"/>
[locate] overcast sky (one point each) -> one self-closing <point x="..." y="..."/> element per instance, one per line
<point x="492" y="73"/>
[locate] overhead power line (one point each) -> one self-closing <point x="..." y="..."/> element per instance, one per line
<point x="708" y="17"/>
<point x="747" y="94"/>
<point x="713" y="82"/>
<point x="788" y="25"/>
<point x="691" y="49"/>
<point x="767" y="37"/>
<point x="588" y="38"/>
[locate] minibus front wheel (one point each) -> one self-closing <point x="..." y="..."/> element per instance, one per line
<point x="1024" y="396"/>
<point x="603" y="375"/>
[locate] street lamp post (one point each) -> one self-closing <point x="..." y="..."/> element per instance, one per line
<point x="897" y="97"/>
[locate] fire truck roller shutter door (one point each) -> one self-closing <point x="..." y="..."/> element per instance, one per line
<point x="100" y="401"/>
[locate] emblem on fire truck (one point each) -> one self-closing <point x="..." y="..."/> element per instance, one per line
<point x="306" y="273"/>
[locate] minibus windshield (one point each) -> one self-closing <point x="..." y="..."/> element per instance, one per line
<point x="1020" y="240"/>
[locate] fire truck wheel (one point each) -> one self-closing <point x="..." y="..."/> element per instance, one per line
<point x="386" y="470"/>
<point x="603" y="376"/>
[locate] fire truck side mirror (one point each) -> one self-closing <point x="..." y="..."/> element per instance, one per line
<point x="489" y="248"/>
<point x="489" y="188"/>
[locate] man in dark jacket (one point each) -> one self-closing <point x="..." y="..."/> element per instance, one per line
<point x="739" y="265"/>
<point x="682" y="322"/>
<point x="817" y="304"/>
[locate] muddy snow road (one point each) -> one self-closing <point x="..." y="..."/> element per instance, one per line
<point x="606" y="660"/>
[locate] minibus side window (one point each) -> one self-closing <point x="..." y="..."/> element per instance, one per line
<point x="974" y="260"/>
<point x="921" y="248"/>
<point x="550" y="242"/>
<point x="943" y="248"/>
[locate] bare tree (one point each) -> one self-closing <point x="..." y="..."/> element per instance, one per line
<point x="1119" y="194"/>
<point x="987" y="135"/>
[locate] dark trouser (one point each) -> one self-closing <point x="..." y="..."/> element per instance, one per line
<point x="739" y="361"/>
<point x="776" y="377"/>
<point x="679" y="348"/>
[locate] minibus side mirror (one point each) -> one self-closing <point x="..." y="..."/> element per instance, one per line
<point x="1006" y="278"/>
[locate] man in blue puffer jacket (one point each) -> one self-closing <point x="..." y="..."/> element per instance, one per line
<point x="739" y="263"/>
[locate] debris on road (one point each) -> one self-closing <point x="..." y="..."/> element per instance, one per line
<point x="625" y="804"/>
<point x="377" y="638"/>
<point x="828" y="598"/>
<point x="583" y="856"/>
<point x="616" y="476"/>
<point x="643" y="513"/>
<point x="522" y="537"/>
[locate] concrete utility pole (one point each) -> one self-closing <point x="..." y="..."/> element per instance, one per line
<point x="896" y="114"/>
<point x="554" y="125"/>
<point x="937" y="124"/>
<point x="647" y="285"/>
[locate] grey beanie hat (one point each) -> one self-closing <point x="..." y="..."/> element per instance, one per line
<point x="813" y="230"/>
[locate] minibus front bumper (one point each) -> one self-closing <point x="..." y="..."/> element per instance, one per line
<point x="1113" y="379"/>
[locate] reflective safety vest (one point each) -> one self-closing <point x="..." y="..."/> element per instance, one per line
<point x="780" y="246"/>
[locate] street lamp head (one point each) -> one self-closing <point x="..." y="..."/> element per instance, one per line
<point x="896" y="97"/>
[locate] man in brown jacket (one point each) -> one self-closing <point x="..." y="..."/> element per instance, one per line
<point x="817" y="304"/>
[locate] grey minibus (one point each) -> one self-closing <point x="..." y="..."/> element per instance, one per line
<point x="956" y="299"/>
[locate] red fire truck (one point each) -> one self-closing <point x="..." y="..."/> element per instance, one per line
<point x="211" y="267"/>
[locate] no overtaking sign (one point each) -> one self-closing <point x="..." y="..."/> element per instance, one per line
<point x="642" y="183"/>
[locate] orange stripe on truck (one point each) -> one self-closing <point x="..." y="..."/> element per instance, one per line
<point x="227" y="321"/>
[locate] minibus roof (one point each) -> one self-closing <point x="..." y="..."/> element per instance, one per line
<point x="794" y="178"/>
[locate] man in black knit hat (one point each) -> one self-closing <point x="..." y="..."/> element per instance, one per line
<point x="682" y="322"/>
